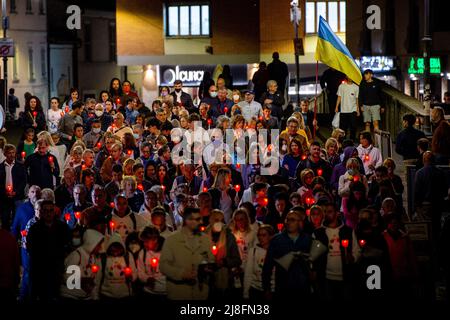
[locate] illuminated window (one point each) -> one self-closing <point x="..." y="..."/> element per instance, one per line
<point x="187" y="20"/>
<point x="332" y="11"/>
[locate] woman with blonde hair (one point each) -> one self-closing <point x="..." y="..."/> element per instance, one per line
<point x="128" y="167"/>
<point x="75" y="157"/>
<point x="58" y="151"/>
<point x="306" y="178"/>
<point x="224" y="196"/>
<point x="331" y="149"/>
<point x="135" y="196"/>
<point x="226" y="253"/>
<point x="302" y="128"/>
<point x="245" y="236"/>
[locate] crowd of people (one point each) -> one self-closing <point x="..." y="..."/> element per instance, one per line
<point x="94" y="184"/>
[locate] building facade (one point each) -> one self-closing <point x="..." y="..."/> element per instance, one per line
<point x="28" y="69"/>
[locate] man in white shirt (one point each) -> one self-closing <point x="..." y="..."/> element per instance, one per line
<point x="370" y="155"/>
<point x="348" y="99"/>
<point x="249" y="107"/>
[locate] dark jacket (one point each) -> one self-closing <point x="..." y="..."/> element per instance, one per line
<point x="295" y="281"/>
<point x="406" y="144"/>
<point x="47" y="247"/>
<point x="308" y="163"/>
<point x="369" y="93"/>
<point x="278" y="71"/>
<point x="19" y="177"/>
<point x="219" y="109"/>
<point x="216" y="196"/>
<point x="40" y="172"/>
<point x="10" y="262"/>
<point x="27" y="121"/>
<point x="63" y="196"/>
<point x="186" y="100"/>
<point x="277" y="103"/>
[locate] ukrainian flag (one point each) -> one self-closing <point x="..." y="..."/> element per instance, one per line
<point x="331" y="51"/>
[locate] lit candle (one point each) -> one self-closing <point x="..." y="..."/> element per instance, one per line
<point x="163" y="188"/>
<point x="266" y="201"/>
<point x="202" y="228"/>
<point x="319" y="172"/>
<point x="279" y="227"/>
<point x="83" y="167"/>
<point x="128" y="272"/>
<point x="355" y="178"/>
<point x="205" y="189"/>
<point x="225" y="110"/>
<point x="50" y="160"/>
<point x="238" y="166"/>
<point x="23" y="233"/>
<point x="140" y="187"/>
<point x="269" y="148"/>
<point x="99" y="145"/>
<point x="94" y="268"/>
<point x="366" y="157"/>
<point x="112" y="225"/>
<point x="129" y="152"/>
<point x="9" y="188"/>
<point x="34" y="114"/>
<point x="260" y="118"/>
<point x="237" y="188"/>
<point x="67" y="217"/>
<point x="118" y="101"/>
<point x="214" y="250"/>
<point x="66" y="109"/>
<point x="304" y="157"/>
<point x="154" y="263"/>
<point x="23" y="154"/>
<point x="209" y="123"/>
<point x="78" y="216"/>
<point x="362" y="243"/>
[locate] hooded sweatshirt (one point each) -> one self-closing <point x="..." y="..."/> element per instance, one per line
<point x="125" y="225"/>
<point x="148" y="270"/>
<point x="83" y="258"/>
<point x="115" y="284"/>
<point x="341" y="168"/>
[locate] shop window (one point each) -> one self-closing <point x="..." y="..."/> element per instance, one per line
<point x="187" y="20"/>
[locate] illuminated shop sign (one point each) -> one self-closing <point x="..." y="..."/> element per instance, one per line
<point x="417" y="65"/>
<point x="376" y="63"/>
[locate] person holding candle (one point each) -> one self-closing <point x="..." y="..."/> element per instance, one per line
<point x="225" y="249"/>
<point x="293" y="157"/>
<point x="133" y="192"/>
<point x="291" y="282"/>
<point x="13" y="179"/>
<point x="118" y="270"/>
<point x="245" y="236"/>
<point x="33" y="116"/>
<point x="97" y="216"/>
<point x="370" y="155"/>
<point x="253" y="288"/>
<point x="74" y="97"/>
<point x="94" y="136"/>
<point x="116" y="157"/>
<point x="277" y="217"/>
<point x="149" y="272"/>
<point x="42" y="167"/>
<point x="335" y="268"/>
<point x="224" y="196"/>
<point x="352" y="175"/>
<point x="86" y="257"/>
<point x="181" y="256"/>
<point x="74" y="209"/>
<point x="26" y="146"/>
<point x="124" y="219"/>
<point x="314" y="162"/>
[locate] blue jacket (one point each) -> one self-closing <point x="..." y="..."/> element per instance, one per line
<point x="296" y="278"/>
<point x="23" y="214"/>
<point x="219" y="109"/>
<point x="71" y="209"/>
<point x="292" y="163"/>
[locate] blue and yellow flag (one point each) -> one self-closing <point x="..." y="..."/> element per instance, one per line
<point x="331" y="51"/>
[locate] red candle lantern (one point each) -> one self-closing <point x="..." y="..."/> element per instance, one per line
<point x="202" y="228"/>
<point x="238" y="166"/>
<point x="269" y="148"/>
<point x="163" y="188"/>
<point x="23" y="154"/>
<point x="209" y="122"/>
<point x="266" y="201"/>
<point x="140" y="187"/>
<point x="9" y="188"/>
<point x="237" y="188"/>
<point x="154" y="263"/>
<point x="129" y="152"/>
<point x="214" y="250"/>
<point x="78" y="215"/>
<point x="260" y="118"/>
<point x="362" y="243"/>
<point x="66" y="109"/>
<point x="83" y="167"/>
<point x="111" y="204"/>
<point x="94" y="268"/>
<point x="344" y="243"/>
<point x="112" y="225"/>
<point x="319" y="172"/>
<point x="99" y="145"/>
<point x="127" y="272"/>
<point x="355" y="178"/>
<point x="34" y="114"/>
<point x="118" y="101"/>
<point x="205" y="189"/>
<point x="225" y="110"/>
<point x="67" y="217"/>
<point x="50" y="159"/>
<point x="23" y="233"/>
<point x="279" y="227"/>
<point x="366" y="157"/>
<point x="304" y="157"/>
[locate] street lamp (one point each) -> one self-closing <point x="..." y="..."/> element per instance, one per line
<point x="5" y="23"/>
<point x="295" y="19"/>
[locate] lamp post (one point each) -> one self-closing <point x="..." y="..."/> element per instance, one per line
<point x="5" y="23"/>
<point x="295" y="18"/>
<point x="426" y="61"/>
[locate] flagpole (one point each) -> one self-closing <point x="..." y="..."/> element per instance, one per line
<point x="315" y="100"/>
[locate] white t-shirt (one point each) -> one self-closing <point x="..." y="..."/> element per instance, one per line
<point x="53" y="118"/>
<point x="349" y="95"/>
<point x="334" y="261"/>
